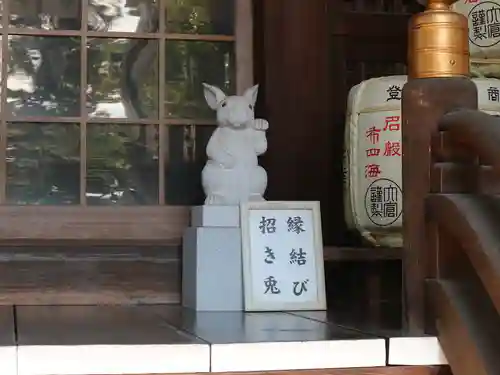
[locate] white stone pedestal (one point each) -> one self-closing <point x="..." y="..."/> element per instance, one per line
<point x="212" y="277"/>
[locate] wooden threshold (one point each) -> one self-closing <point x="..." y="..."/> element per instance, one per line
<point x="276" y="341"/>
<point x="103" y="340"/>
<point x="62" y="340"/>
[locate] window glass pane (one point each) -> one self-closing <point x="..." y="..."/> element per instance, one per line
<point x="123" y="16"/>
<point x="200" y="16"/>
<point x="45" y="14"/>
<point x="122" y="164"/>
<point x="188" y="65"/>
<point x="43" y="76"/>
<point x="185" y="159"/>
<point x="122" y="76"/>
<point x="43" y="163"/>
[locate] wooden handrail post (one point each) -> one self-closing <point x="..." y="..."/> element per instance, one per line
<point x="437" y="83"/>
<point x="425" y="101"/>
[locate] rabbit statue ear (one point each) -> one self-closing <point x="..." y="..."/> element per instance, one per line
<point x="213" y="95"/>
<point x="251" y="94"/>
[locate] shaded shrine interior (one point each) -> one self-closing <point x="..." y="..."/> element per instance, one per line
<point x="314" y="54"/>
<point x="89" y="131"/>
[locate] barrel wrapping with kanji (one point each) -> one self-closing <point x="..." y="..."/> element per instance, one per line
<point x="484" y="35"/>
<point x="373" y="195"/>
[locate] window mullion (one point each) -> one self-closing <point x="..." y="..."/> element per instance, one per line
<point x="163" y="131"/>
<point x="3" y="103"/>
<point x="83" y="105"/>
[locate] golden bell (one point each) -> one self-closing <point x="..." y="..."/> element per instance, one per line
<point x="438" y="42"/>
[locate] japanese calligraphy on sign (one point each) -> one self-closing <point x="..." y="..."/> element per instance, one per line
<point x="282" y="256"/>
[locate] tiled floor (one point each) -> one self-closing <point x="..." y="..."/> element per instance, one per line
<point x="66" y="340"/>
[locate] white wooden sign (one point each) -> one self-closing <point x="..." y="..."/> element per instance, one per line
<point x="282" y="256"/>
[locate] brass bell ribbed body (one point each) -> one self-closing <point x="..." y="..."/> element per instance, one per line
<point x="438" y="42"/>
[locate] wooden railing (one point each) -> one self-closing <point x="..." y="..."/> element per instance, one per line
<point x="451" y="169"/>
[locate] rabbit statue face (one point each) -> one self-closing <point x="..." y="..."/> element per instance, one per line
<point x="232" y="173"/>
<point x="232" y="111"/>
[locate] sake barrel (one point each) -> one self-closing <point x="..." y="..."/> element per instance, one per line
<point x="348" y="210"/>
<point x="373" y="195"/>
<point x="484" y="27"/>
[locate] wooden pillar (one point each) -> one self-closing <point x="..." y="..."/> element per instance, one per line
<point x="425" y="101"/>
<point x="298" y="104"/>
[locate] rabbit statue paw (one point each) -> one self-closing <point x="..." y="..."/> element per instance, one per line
<point x="260" y="124"/>
<point x="232" y="173"/>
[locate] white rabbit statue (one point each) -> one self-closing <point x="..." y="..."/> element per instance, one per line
<point x="232" y="173"/>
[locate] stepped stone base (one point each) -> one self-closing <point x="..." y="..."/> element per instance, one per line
<point x="212" y="277"/>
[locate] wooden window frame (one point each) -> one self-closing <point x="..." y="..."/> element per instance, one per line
<point x="111" y="224"/>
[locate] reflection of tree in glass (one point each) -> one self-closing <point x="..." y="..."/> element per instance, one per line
<point x="43" y="163"/>
<point x="50" y="70"/>
<point x="48" y="15"/>
<point x="200" y="16"/>
<point x="120" y="76"/>
<point x="44" y="77"/>
<point x="187" y="156"/>
<point x="189" y="64"/>
<point x="43" y="80"/>
<point x="118" y="68"/>
<point x="122" y="166"/>
<point x="52" y="66"/>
